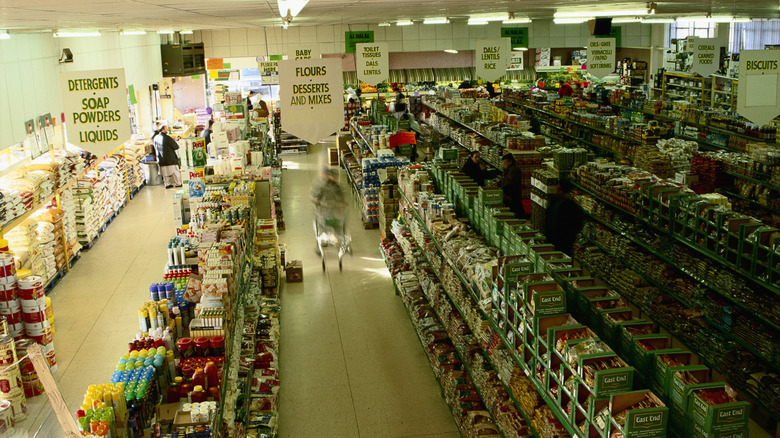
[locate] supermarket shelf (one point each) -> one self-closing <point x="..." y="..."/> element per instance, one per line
<point x="757" y="181"/>
<point x="752" y="201"/>
<point x="590" y="143"/>
<point x="485" y="159"/>
<point x="366" y="146"/>
<point x="14" y="223"/>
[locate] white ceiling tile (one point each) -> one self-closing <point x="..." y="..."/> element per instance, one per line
<point x="427" y="31"/>
<point x="393" y="33"/>
<point x="325" y="34"/>
<point x="308" y="34"/>
<point x="237" y="36"/>
<point x="220" y="38"/>
<point x="427" y="45"/>
<point x="238" y="51"/>
<point x="411" y="45"/>
<point x="328" y="48"/>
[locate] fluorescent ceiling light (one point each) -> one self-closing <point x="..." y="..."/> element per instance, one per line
<point x="403" y="23"/>
<point x="186" y="32"/>
<point x="517" y="21"/>
<point x="658" y="20"/>
<point x="571" y="20"/>
<point x="442" y="20"/>
<point x="490" y="17"/>
<point x="701" y="19"/>
<point x="165" y="32"/>
<point x="521" y="49"/>
<point x="742" y="20"/>
<point x="385" y="24"/>
<point x="477" y="22"/>
<point x="290" y="7"/>
<point x="75" y="34"/>
<point x="597" y="13"/>
<point x="4" y="35"/>
<point x="450" y="51"/>
<point x="133" y="32"/>
<point x="627" y="20"/>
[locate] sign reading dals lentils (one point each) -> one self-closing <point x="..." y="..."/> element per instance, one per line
<point x="95" y="105"/>
<point x="310" y="96"/>
<point x="303" y="51"/>
<point x="758" y="99"/>
<point x="373" y="65"/>
<point x="601" y="56"/>
<point x="492" y="58"/>
<point x="706" y="58"/>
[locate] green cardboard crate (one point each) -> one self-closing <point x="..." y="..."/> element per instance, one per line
<point x="627" y="330"/>
<point x="555" y="333"/>
<point x="680" y="391"/>
<point x="491" y="196"/>
<point x="662" y="379"/>
<point x="699" y="432"/>
<point x="609" y="381"/>
<point x="586" y="293"/>
<point x="647" y="370"/>
<point x="594" y="312"/>
<point x="726" y="417"/>
<point x="639" y="423"/>
<point x="639" y="354"/>
<point x="610" y="325"/>
<point x="544" y="298"/>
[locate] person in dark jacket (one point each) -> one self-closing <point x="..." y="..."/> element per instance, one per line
<point x="475" y="168"/>
<point x="512" y="185"/>
<point x="564" y="219"/>
<point x="491" y="90"/>
<point x="207" y="132"/>
<point x="249" y="106"/>
<point x="536" y="125"/>
<point x="166" y="148"/>
<point x="465" y="85"/>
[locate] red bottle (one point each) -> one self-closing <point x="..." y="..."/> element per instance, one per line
<point x="173" y="393"/>
<point x="199" y="378"/>
<point x="197" y="395"/>
<point x="211" y="375"/>
<point x="184" y="390"/>
<point x="214" y="394"/>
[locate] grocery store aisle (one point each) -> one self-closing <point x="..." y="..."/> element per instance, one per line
<point x="95" y="304"/>
<point x="351" y="364"/>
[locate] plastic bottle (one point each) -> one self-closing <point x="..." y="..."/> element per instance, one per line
<point x="170" y="254"/>
<point x="211" y="374"/>
<point x="197" y="395"/>
<point x="142" y="315"/>
<point x="213" y="393"/>
<point x="160" y="320"/>
<point x="153" y="318"/>
<point x="173" y="393"/>
<point x="169" y="359"/>
<point x="154" y="293"/>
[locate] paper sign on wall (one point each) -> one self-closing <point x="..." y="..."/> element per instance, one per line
<point x="95" y="103"/>
<point x="493" y="56"/>
<point x="303" y="51"/>
<point x="516" y="61"/>
<point x="758" y="99"/>
<point x="372" y="62"/>
<point x="310" y="97"/>
<point x="601" y="56"/>
<point x="268" y="67"/>
<point x="706" y="57"/>
<point x="352" y="38"/>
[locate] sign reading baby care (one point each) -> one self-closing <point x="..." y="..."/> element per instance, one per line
<point x="310" y="96"/>
<point x="95" y="105"/>
<point x="303" y="51"/>
<point x="493" y="57"/>
<point x="758" y="99"/>
<point x="601" y="56"/>
<point x="706" y="58"/>
<point x="372" y="61"/>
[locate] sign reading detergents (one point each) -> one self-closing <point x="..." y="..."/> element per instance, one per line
<point x="310" y="96"/>
<point x="758" y="99"/>
<point x="95" y="105"/>
<point x="601" y="56"/>
<point x="493" y="58"/>
<point x="373" y="65"/>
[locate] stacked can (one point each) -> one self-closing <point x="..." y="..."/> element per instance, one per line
<point x="10" y="306"/>
<point x="50" y="314"/>
<point x="11" y="388"/>
<point x="34" y="315"/>
<point x="30" y="383"/>
<point x="7" y="423"/>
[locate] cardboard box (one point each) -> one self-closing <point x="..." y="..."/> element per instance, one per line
<point x="294" y="271"/>
<point x="725" y="417"/>
<point x="640" y="423"/>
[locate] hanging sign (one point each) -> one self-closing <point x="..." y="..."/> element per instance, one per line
<point x="303" y="51"/>
<point x="518" y="35"/>
<point x="95" y="103"/>
<point x="352" y="38"/>
<point x="310" y="97"/>
<point x="758" y="99"/>
<point x="493" y="57"/>
<point x="706" y="56"/>
<point x="268" y="67"/>
<point x="601" y="56"/>
<point x="372" y="62"/>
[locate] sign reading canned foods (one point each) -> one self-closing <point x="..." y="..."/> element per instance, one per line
<point x="706" y="57"/>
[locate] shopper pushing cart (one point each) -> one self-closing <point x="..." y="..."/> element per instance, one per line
<point x="330" y="216"/>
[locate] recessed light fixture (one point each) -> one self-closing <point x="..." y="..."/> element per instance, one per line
<point x="473" y="22"/>
<point x="707" y="19"/>
<point x="133" y="32"/>
<point x="657" y="20"/>
<point x="165" y="32"/>
<point x="742" y="20"/>
<point x="4" y="35"/>
<point x="572" y="20"/>
<point x="520" y="49"/>
<point x="186" y="32"/>
<point x="502" y="17"/>
<point x="597" y="13"/>
<point x="517" y="21"/>
<point x="450" y="50"/>
<point x="440" y="20"/>
<point x="68" y="34"/>
<point x="385" y="24"/>
<point x="403" y="23"/>
<point x="627" y="20"/>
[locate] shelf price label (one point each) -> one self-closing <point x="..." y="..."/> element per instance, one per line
<point x="758" y="99"/>
<point x="706" y="57"/>
<point x="95" y="106"/>
<point x="493" y="57"/>
<point x="601" y="56"/>
<point x="310" y="96"/>
<point x="372" y="62"/>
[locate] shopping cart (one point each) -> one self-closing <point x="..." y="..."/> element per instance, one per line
<point x="330" y="228"/>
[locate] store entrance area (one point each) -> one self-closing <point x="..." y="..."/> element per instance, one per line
<point x="352" y="363"/>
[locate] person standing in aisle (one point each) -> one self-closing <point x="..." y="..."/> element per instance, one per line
<point x="536" y="125"/>
<point x="167" y="159"/>
<point x="399" y="106"/>
<point x="207" y="132"/>
<point x="249" y="106"/>
<point x="564" y="89"/>
<point x="491" y="90"/>
<point x="512" y="186"/>
<point x="475" y="168"/>
<point x="564" y="219"/>
<point x="465" y="85"/>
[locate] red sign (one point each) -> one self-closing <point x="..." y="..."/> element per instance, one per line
<point x="402" y="138"/>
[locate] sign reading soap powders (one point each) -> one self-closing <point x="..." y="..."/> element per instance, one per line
<point x="493" y="58"/>
<point x="601" y="56"/>
<point x="310" y="96"/>
<point x="372" y="61"/>
<point x="706" y="59"/>
<point x="95" y="105"/>
<point x="758" y="99"/>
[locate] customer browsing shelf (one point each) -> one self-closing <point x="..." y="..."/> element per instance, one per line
<point x="166" y="148"/>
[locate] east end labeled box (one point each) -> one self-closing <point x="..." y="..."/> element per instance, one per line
<point x="639" y="423"/>
<point x="545" y="298"/>
<point x="491" y="196"/>
<point x="724" y="417"/>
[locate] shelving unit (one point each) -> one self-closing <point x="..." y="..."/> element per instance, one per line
<point x="675" y="83"/>
<point x="724" y="92"/>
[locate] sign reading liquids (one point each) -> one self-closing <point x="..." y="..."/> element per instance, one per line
<point x="601" y="56"/>
<point x="493" y="58"/>
<point x="303" y="51"/>
<point x="758" y="99"/>
<point x="706" y="59"/>
<point x="95" y="105"/>
<point x="310" y="96"/>
<point x="373" y="66"/>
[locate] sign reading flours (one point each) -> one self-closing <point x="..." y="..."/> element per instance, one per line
<point x="95" y="105"/>
<point x="493" y="57"/>
<point x="601" y="56"/>
<point x="310" y="96"/>
<point x="303" y="51"/>
<point x="373" y="65"/>
<point x="706" y="59"/>
<point x="758" y="99"/>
